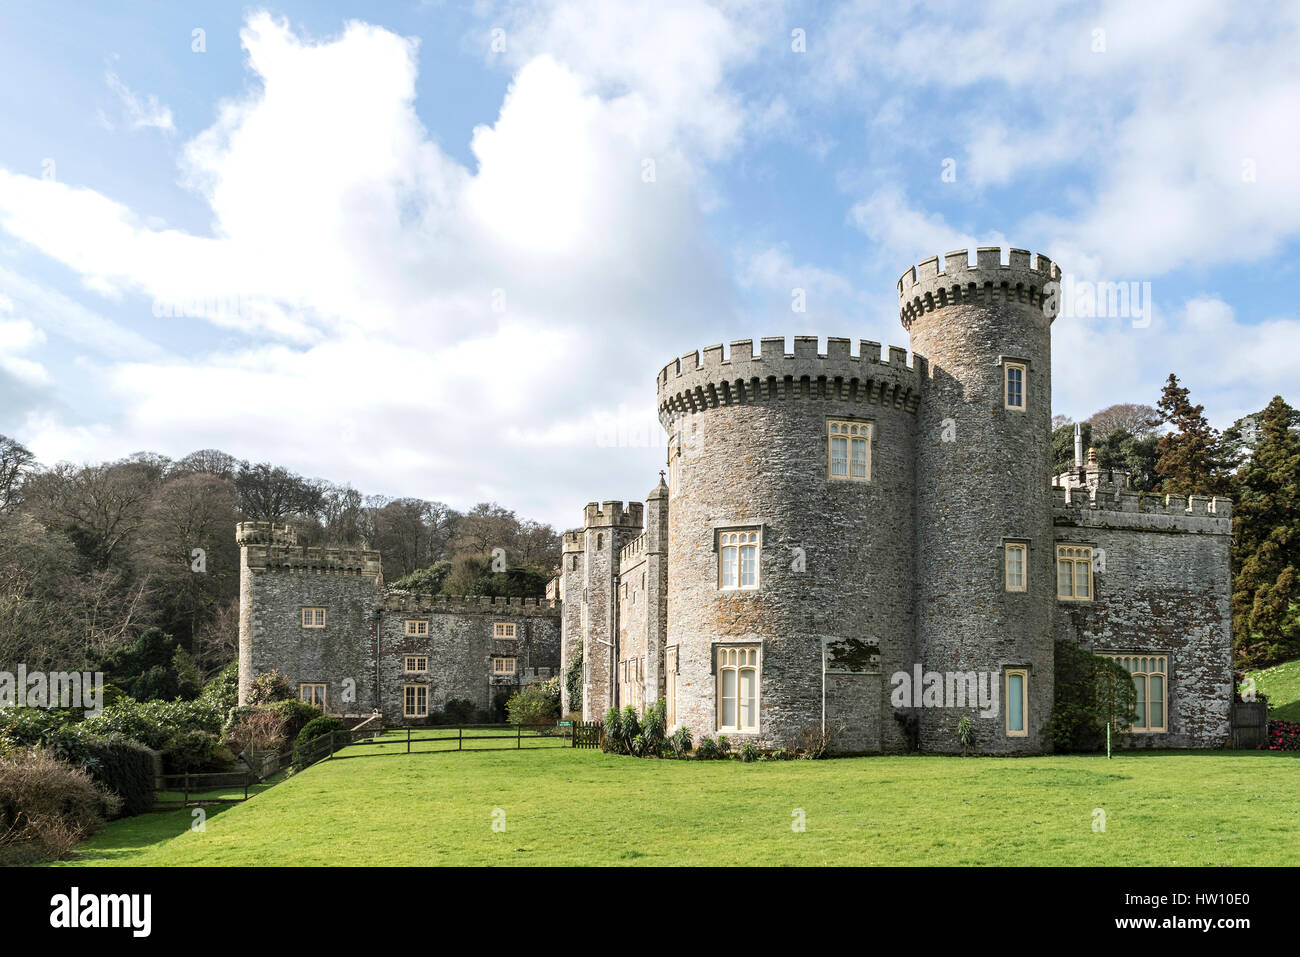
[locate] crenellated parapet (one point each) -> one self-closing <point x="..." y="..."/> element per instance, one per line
<point x="927" y="286"/>
<point x="632" y="551"/>
<point x="265" y="533"/>
<point x="614" y="514"/>
<point x="313" y="560"/>
<point x="738" y="377"/>
<point x="400" y="601"/>
<point x="572" y="541"/>
<point x="1116" y="507"/>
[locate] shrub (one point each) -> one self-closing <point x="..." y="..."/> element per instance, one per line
<point x="196" y="752"/>
<point x="637" y="748"/>
<point x="780" y="754"/>
<point x="222" y="692"/>
<point x="815" y="742"/>
<point x="460" y="711"/>
<point x="47" y="805"/>
<point x="708" y="749"/>
<point x="54" y="729"/>
<point x="749" y="752"/>
<point x="154" y="723"/>
<point x="296" y="715"/>
<point x="654" y="727"/>
<point x="1091" y="692"/>
<point x="573" y="680"/>
<point x="126" y="768"/>
<point x="317" y="728"/>
<point x="268" y="687"/>
<point x="724" y="746"/>
<point x="965" y="732"/>
<point x="631" y="727"/>
<point x="257" y="729"/>
<point x="613" y="741"/>
<point x="680" y="742"/>
<point x="536" y="703"/>
<point x="1283" y="736"/>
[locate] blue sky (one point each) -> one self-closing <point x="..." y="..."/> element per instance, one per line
<point x="430" y="259"/>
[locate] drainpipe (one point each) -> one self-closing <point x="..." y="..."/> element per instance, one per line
<point x="613" y="645"/>
<point x="378" y="615"/>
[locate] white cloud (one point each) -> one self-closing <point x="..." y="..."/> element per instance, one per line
<point x="417" y="323"/>
<point x="139" y="112"/>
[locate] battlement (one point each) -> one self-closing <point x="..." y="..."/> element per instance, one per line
<point x="633" y="550"/>
<point x="399" y="601"/>
<point x="925" y="287"/>
<point x="573" y="541"/>
<point x="313" y="560"/>
<point x="1125" y="507"/>
<point x="739" y="377"/>
<point x="265" y="533"/>
<point x="613" y="513"/>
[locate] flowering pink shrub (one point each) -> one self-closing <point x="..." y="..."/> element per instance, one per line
<point x="1283" y="736"/>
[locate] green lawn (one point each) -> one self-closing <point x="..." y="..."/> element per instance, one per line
<point x="584" y="807"/>
<point x="1281" y="684"/>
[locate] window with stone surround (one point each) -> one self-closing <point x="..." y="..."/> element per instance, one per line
<point x="312" y="694"/>
<point x="738" y="550"/>
<point x="416" y="627"/>
<point x="313" y="617"/>
<point x="1014" y="576"/>
<point x="415" y="701"/>
<point x="737" y="683"/>
<point x="415" y="664"/>
<point x="1074" y="572"/>
<point x="1014" y="376"/>
<point x="1151" y="682"/>
<point x="1016" y="695"/>
<point x="503" y="629"/>
<point x="503" y="666"/>
<point x="848" y="450"/>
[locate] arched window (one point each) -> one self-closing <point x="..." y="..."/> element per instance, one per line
<point x="738" y="689"/>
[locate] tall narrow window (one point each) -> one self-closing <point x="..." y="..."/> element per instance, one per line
<point x="415" y="701"/>
<point x="1150" y="682"/>
<point x="738" y="689"/>
<point x="738" y="559"/>
<point x="313" y="617"/>
<point x="848" y="449"/>
<point x="1015" y="385"/>
<point x="1074" y="572"/>
<point x="1017" y="697"/>
<point x="312" y="694"/>
<point x="1015" y="565"/>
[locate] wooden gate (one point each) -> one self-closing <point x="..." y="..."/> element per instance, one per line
<point x="587" y="734"/>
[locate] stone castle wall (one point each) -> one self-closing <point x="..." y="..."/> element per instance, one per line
<point x="836" y="556"/>
<point x="982" y="481"/>
<point x="1161" y="584"/>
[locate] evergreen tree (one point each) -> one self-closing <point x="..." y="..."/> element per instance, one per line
<point x="1189" y="460"/>
<point x="1266" y="543"/>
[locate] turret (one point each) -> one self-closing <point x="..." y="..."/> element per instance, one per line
<point x="985" y="554"/>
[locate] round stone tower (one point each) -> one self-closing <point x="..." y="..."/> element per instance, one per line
<point x="791" y="530"/>
<point x="985" y="565"/>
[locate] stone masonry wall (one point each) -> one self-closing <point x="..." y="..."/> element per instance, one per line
<point x="460" y="646"/>
<point x="982" y="479"/>
<point x="1161" y="584"/>
<point x="837" y="557"/>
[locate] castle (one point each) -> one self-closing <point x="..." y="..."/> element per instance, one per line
<point x="845" y="542"/>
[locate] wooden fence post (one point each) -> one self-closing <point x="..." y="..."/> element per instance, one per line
<point x="460" y="738"/>
<point x="519" y="736"/>
<point x="408" y="740"/>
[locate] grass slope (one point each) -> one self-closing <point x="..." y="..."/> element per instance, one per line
<point x="584" y="807"/>
<point x="1281" y="684"/>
